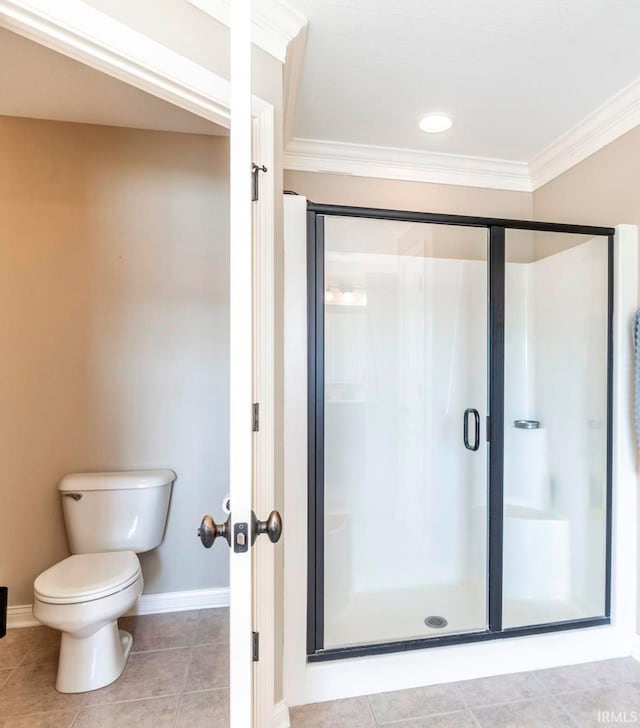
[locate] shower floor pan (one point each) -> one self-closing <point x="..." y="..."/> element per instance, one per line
<point x="397" y="615"/>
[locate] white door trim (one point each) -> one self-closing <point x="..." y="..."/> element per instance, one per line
<point x="79" y="31"/>
<point x="309" y="683"/>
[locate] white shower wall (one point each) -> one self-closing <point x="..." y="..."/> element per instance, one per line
<point x="556" y="373"/>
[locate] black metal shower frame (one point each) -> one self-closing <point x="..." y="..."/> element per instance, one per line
<point x="496" y="228"/>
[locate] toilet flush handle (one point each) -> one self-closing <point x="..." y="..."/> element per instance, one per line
<point x="74" y="496"/>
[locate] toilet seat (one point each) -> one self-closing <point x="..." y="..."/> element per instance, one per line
<point x="86" y="577"/>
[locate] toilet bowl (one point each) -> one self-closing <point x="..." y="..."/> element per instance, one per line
<point x="84" y="595"/>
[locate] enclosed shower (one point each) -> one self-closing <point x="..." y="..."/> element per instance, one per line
<point x="459" y="429"/>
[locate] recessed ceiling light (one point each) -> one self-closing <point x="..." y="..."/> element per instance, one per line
<point x="435" y="123"/>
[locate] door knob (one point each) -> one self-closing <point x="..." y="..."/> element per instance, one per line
<point x="272" y="527"/>
<point x="209" y="531"/>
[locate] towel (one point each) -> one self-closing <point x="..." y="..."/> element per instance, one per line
<point x="636" y="346"/>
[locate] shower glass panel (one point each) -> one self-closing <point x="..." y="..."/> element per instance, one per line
<point x="404" y="322"/>
<point x="555" y="427"/>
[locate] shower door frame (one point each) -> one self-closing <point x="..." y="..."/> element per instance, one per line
<point x="496" y="230"/>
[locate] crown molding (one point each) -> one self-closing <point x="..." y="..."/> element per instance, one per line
<point x="313" y="155"/>
<point x="85" y="34"/>
<point x="291" y="80"/>
<point x="274" y="23"/>
<point x="608" y="122"/>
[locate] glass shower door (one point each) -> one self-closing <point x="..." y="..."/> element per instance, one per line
<point x="403" y="383"/>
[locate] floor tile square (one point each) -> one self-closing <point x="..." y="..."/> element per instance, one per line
<point x="415" y="703"/>
<point x="55" y="719"/>
<point x="348" y="713"/>
<point x="213" y="626"/>
<point x="16" y="644"/>
<point x="209" y="709"/>
<point x="161" y="631"/>
<point x="500" y="689"/>
<point x="31" y="689"/>
<point x="147" y="675"/>
<point x="209" y="668"/>
<point x="612" y="704"/>
<point x="540" y="713"/>
<point x="150" y="713"/>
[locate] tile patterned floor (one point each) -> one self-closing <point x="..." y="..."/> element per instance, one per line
<point x="577" y="696"/>
<point x="176" y="676"/>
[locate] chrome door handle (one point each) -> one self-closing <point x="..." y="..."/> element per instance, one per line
<point x="465" y="429"/>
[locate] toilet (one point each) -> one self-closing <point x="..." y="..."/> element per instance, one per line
<point x="109" y="517"/>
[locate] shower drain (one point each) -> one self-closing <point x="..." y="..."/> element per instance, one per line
<point x="436" y="622"/>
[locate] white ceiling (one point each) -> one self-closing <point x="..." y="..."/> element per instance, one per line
<point x="513" y="74"/>
<point x="39" y="83"/>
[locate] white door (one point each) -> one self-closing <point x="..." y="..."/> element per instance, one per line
<point x="251" y="380"/>
<point x="241" y="374"/>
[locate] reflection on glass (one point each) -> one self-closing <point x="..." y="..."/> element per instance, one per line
<point x="405" y="501"/>
<point x="555" y="466"/>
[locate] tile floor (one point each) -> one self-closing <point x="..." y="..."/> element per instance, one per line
<point x="577" y="696"/>
<point x="176" y="676"/>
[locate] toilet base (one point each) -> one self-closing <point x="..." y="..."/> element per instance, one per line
<point x="89" y="663"/>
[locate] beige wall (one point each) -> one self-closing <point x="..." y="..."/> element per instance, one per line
<point x="601" y="190"/>
<point x="416" y="196"/>
<point x="113" y="333"/>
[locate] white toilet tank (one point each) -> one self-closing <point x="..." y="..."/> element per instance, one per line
<point x="120" y="511"/>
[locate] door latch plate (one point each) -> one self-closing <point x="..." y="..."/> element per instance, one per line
<point x="241" y="538"/>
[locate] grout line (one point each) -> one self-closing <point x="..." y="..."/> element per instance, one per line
<point x="186" y="674"/>
<point x="372" y="711"/>
<point x="12" y="671"/>
<point x="400" y="721"/>
<point x="178" y="708"/>
<point x="75" y="718"/>
<point x="128" y="700"/>
<point x="204" y="690"/>
<point x="460" y="694"/>
<point x="545" y="689"/>
<point x="572" y="719"/>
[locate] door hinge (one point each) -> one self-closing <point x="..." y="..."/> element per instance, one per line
<point x="255" y="171"/>
<point x="488" y="429"/>
<point x="256" y="646"/>
<point x="256" y="417"/>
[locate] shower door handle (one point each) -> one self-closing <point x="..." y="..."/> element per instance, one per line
<point x="476" y="419"/>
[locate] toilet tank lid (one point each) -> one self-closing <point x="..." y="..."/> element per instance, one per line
<point x="122" y="480"/>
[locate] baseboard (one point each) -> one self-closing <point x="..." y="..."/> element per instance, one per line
<point x="281" y="715"/>
<point x="21" y="616"/>
<point x="182" y="601"/>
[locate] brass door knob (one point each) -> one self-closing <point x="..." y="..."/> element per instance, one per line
<point x="209" y="531"/>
